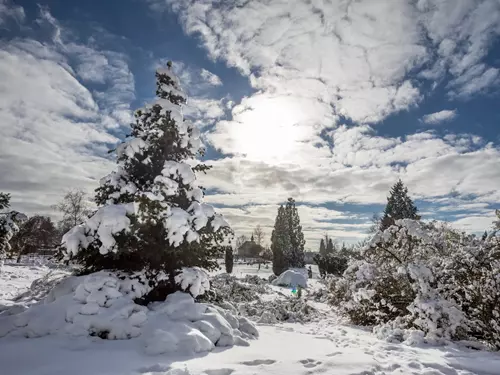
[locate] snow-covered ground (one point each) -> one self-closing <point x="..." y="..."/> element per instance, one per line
<point x="17" y="278"/>
<point x="320" y="346"/>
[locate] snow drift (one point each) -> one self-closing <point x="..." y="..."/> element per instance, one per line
<point x="102" y="304"/>
<point x="292" y="278"/>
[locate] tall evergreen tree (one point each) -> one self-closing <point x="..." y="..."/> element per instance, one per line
<point x="151" y="214"/>
<point x="228" y="259"/>
<point x="4" y="200"/>
<point x="330" y="248"/>
<point x="280" y="242"/>
<point x="399" y="206"/>
<point x="322" y="247"/>
<point x="295" y="254"/>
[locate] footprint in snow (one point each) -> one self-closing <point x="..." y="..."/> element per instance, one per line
<point x="333" y="354"/>
<point x="155" y="368"/>
<point x="309" y="363"/>
<point x="257" y="362"/>
<point x="220" y="371"/>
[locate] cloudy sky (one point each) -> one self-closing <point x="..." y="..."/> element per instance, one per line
<point x="327" y="101"/>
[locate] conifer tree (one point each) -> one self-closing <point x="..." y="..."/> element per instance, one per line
<point x="295" y="254"/>
<point x="151" y="214"/>
<point x="280" y="242"/>
<point x="228" y="259"/>
<point x="9" y="222"/>
<point x="330" y="248"/>
<point x="322" y="247"/>
<point x="399" y="206"/>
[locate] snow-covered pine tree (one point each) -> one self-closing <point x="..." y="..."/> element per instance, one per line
<point x="399" y="206"/>
<point x="151" y="214"/>
<point x="9" y="222"/>
<point x="280" y="242"/>
<point x="295" y="254"/>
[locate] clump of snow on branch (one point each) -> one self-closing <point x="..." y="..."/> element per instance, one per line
<point x="195" y="280"/>
<point x="107" y="222"/>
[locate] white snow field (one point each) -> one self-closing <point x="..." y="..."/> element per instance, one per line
<point x="320" y="345"/>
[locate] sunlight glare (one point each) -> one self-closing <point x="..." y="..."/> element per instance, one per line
<point x="270" y="129"/>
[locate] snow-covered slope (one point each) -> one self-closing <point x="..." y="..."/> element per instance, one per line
<point x="318" y="346"/>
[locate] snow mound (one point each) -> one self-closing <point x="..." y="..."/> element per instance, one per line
<point x="292" y="278"/>
<point x="102" y="304"/>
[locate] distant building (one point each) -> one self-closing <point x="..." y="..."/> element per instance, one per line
<point x="249" y="249"/>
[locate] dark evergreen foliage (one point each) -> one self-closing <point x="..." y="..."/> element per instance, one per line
<point x="229" y="259"/>
<point x="280" y="242"/>
<point x="295" y="254"/>
<point x="399" y="206"/>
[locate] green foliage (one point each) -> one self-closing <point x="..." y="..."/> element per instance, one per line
<point x="399" y="206"/>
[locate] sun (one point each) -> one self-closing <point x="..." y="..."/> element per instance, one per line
<point x="269" y="129"/>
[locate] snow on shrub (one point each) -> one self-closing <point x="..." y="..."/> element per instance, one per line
<point x="102" y="304"/>
<point x="292" y="278"/>
<point x="439" y="284"/>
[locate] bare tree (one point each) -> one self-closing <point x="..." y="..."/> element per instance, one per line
<point x="75" y="209"/>
<point x="36" y="233"/>
<point x="375" y="224"/>
<point x="240" y="241"/>
<point x="258" y="235"/>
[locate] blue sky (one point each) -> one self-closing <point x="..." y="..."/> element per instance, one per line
<point x="328" y="102"/>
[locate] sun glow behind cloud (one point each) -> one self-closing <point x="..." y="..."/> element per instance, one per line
<point x="269" y="130"/>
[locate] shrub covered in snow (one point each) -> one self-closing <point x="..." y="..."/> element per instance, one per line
<point x="428" y="278"/>
<point x="8" y="227"/>
<point x="290" y="309"/>
<point x="102" y="305"/>
<point x="151" y="214"/>
<point x="228" y="288"/>
<point x="293" y="278"/>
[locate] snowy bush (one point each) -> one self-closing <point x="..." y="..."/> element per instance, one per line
<point x="102" y="305"/>
<point x="427" y="278"/>
<point x="291" y="309"/>
<point x="228" y="288"/>
<point x="8" y="227"/>
<point x="293" y="278"/>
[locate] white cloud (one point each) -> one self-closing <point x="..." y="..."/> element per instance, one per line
<point x="211" y="78"/>
<point x="53" y="130"/>
<point x="314" y="62"/>
<point x="10" y="11"/>
<point x="440" y="117"/>
<point x="315" y="221"/>
<point x="204" y="111"/>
